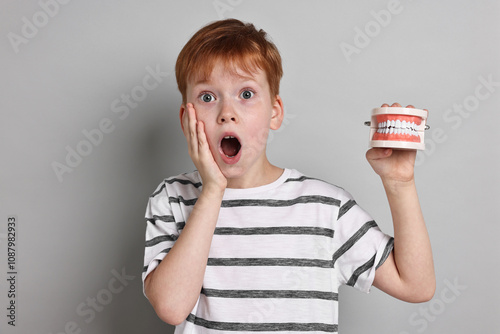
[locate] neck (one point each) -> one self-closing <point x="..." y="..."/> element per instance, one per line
<point x="265" y="176"/>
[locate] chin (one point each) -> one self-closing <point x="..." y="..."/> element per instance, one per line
<point x="233" y="172"/>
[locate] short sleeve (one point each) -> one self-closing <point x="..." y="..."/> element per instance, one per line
<point x="361" y="247"/>
<point x="161" y="230"/>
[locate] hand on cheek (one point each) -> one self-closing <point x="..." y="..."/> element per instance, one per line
<point x="199" y="150"/>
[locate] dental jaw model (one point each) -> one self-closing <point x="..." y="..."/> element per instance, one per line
<point x="400" y="128"/>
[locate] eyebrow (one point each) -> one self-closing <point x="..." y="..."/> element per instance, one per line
<point x="207" y="81"/>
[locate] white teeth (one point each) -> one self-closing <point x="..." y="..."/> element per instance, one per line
<point x="396" y="126"/>
<point x="228" y="137"/>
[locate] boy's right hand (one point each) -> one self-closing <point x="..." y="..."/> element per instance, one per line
<point x="199" y="150"/>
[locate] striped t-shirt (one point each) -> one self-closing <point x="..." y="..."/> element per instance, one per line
<point x="278" y="256"/>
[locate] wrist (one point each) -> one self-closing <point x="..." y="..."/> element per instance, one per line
<point x="396" y="186"/>
<point x="213" y="191"/>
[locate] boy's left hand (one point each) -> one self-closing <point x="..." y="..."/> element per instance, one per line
<point x="392" y="165"/>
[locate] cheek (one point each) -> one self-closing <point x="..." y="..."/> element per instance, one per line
<point x="259" y="126"/>
<point x="206" y="116"/>
<point x="210" y="133"/>
<point x="259" y="132"/>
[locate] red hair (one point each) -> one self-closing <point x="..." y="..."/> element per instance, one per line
<point x="237" y="45"/>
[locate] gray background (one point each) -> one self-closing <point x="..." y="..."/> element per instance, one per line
<point x="77" y="231"/>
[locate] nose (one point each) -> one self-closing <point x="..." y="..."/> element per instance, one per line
<point x="227" y="114"/>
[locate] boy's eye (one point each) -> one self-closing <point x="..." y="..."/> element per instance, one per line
<point x="206" y="97"/>
<point x="246" y="94"/>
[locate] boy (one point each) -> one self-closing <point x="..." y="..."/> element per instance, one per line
<point x="241" y="245"/>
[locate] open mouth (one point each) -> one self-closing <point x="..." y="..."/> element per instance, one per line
<point x="398" y="128"/>
<point x="230" y="146"/>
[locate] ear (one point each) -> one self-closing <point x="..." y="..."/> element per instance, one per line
<point x="182" y="111"/>
<point x="278" y="113"/>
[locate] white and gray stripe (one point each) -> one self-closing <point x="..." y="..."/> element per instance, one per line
<point x="263" y="327"/>
<point x="285" y="249"/>
<point x="293" y="294"/>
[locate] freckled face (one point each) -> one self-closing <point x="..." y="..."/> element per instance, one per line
<point x="238" y="112"/>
